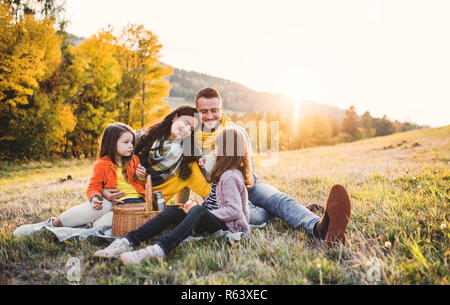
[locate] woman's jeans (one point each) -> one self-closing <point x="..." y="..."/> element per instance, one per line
<point x="198" y="220"/>
<point x="278" y="204"/>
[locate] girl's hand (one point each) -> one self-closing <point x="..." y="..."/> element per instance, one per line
<point x="96" y="203"/>
<point x="141" y="171"/>
<point x="188" y="205"/>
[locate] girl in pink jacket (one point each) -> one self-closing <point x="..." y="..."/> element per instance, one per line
<point x="225" y="208"/>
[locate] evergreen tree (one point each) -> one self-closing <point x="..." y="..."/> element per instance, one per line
<point x="350" y="122"/>
<point x="366" y="120"/>
<point x="383" y="126"/>
<point x="366" y="129"/>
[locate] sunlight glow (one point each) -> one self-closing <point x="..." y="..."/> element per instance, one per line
<point x="296" y="117"/>
<point x="380" y="56"/>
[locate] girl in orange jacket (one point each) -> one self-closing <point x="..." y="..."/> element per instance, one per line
<point x="116" y="168"/>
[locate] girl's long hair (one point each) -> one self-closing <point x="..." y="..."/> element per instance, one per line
<point x="161" y="131"/>
<point x="108" y="144"/>
<point x="232" y="152"/>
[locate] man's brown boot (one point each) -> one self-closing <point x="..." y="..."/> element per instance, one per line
<point x="331" y="227"/>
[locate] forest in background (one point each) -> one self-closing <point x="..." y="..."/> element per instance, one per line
<point x="318" y="129"/>
<point x="56" y="98"/>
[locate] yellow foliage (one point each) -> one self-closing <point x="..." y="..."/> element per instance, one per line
<point x="66" y="120"/>
<point x="138" y="55"/>
<point x="98" y="67"/>
<point x="29" y="52"/>
<point x="61" y="105"/>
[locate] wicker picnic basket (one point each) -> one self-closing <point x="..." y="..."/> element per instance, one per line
<point x="129" y="217"/>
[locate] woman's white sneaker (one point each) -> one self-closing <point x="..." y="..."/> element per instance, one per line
<point x="117" y="247"/>
<point x="29" y="229"/>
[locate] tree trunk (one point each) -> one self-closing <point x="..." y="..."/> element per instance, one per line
<point x="127" y="114"/>
<point x="66" y="146"/>
<point x="143" y="101"/>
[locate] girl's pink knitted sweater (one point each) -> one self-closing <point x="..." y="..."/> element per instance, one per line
<point x="232" y="200"/>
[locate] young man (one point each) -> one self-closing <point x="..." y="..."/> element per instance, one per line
<point x="330" y="228"/>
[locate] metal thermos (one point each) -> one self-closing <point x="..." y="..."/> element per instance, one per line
<point x="159" y="203"/>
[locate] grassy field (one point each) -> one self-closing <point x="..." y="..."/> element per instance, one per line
<point x="399" y="188"/>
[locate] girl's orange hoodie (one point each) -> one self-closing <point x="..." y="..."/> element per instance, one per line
<point x="105" y="176"/>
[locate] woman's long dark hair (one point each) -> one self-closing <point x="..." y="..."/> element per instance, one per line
<point x="108" y="144"/>
<point x="161" y="131"/>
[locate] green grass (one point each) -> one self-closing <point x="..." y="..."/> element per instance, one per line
<point x="400" y="217"/>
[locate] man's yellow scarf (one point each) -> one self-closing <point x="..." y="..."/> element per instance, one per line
<point x="207" y="139"/>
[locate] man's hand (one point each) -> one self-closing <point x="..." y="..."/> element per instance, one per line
<point x="96" y="203"/>
<point x="113" y="195"/>
<point x="141" y="172"/>
<point x="183" y="195"/>
<point x="201" y="162"/>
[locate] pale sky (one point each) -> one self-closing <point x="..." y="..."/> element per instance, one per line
<point x="386" y="56"/>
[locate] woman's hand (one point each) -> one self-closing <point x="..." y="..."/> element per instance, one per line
<point x="141" y="172"/>
<point x="112" y="194"/>
<point x="96" y="203"/>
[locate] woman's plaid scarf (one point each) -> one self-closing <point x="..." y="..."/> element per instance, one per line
<point x="165" y="160"/>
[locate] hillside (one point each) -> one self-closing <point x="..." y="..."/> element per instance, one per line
<point x="238" y="98"/>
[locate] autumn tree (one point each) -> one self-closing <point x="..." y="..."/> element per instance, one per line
<point x="92" y="80"/>
<point x="32" y="117"/>
<point x="144" y="84"/>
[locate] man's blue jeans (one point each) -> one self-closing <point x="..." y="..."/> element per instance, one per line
<point x="278" y="204"/>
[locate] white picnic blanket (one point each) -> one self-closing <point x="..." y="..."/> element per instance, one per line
<point x="105" y="232"/>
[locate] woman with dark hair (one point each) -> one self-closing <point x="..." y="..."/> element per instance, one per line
<point x="168" y="154"/>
